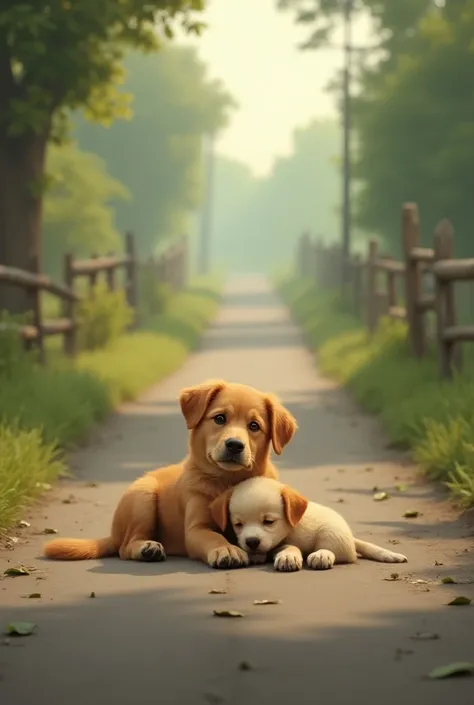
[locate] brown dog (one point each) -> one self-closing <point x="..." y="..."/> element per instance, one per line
<point x="166" y="511"/>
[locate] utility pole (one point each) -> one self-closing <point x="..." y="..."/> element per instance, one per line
<point x="206" y="214"/>
<point x="346" y="140"/>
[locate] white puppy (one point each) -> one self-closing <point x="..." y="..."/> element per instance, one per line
<point x="269" y="517"/>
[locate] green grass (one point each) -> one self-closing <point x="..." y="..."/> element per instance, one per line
<point x="44" y="410"/>
<point x="432" y="418"/>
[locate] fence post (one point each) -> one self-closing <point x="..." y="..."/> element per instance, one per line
<point x="413" y="280"/>
<point x="93" y="277"/>
<point x="34" y="304"/>
<point x="69" y="309"/>
<point x="448" y="356"/>
<point x="110" y="276"/>
<point x="357" y="284"/>
<point x="372" y="306"/>
<point x="131" y="274"/>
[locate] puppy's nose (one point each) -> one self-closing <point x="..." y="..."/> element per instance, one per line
<point x="234" y="446"/>
<point x="253" y="543"/>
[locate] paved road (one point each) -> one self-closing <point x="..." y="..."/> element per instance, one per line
<point x="148" y="635"/>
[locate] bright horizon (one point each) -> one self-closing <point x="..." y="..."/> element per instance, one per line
<point x="252" y="48"/>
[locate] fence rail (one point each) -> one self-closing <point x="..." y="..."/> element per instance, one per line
<point x="171" y="267"/>
<point x="379" y="285"/>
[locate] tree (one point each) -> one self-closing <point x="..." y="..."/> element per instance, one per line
<point x="57" y="55"/>
<point x="78" y="216"/>
<point x="157" y="154"/>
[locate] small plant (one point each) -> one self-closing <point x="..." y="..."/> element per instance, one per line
<point x="102" y="318"/>
<point x="154" y="295"/>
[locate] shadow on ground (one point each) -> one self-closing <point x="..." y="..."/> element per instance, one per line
<point x="83" y="652"/>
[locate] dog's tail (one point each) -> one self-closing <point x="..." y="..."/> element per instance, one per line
<point x="377" y="553"/>
<point x="80" y="549"/>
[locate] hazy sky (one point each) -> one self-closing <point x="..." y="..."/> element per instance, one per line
<point x="252" y="48"/>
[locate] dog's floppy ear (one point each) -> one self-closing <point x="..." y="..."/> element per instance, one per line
<point x="282" y="424"/>
<point x="294" y="505"/>
<point x="219" y="508"/>
<point x="195" y="400"/>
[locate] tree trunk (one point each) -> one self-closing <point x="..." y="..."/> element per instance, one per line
<point x="22" y="164"/>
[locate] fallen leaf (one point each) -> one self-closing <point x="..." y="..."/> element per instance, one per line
<point x="24" y="524"/>
<point x="461" y="668"/>
<point x="401" y="488"/>
<point x="44" y="486"/>
<point x="21" y="628"/>
<point x="91" y="484"/>
<point x="217" y="591"/>
<point x="14" y="572"/>
<point x="461" y="600"/>
<point x="267" y="602"/>
<point x="69" y="500"/>
<point x="393" y="541"/>
<point x="438" y="563"/>
<point x="50" y="531"/>
<point x="375" y="489"/>
<point x="393" y="577"/>
<point x="448" y="580"/>
<point x="227" y="613"/>
<point x="32" y="595"/>
<point x="380" y="496"/>
<point x="340" y="500"/>
<point x="92" y="594"/>
<point x="245" y="666"/>
<point x="425" y="636"/>
<point x="419" y="581"/>
<point x="411" y="514"/>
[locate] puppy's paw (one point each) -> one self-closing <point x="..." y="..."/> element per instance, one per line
<point x="257" y="558"/>
<point x="288" y="562"/>
<point x="227" y="557"/>
<point x="321" y="560"/>
<point x="390" y="557"/>
<point x="152" y="552"/>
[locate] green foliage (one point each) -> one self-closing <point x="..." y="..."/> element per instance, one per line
<point x="102" y="318"/>
<point x="65" y="54"/>
<point x="45" y="408"/>
<point x="434" y="419"/>
<point x="419" y="88"/>
<point x="158" y="153"/>
<point x="78" y="217"/>
<point x="153" y="294"/>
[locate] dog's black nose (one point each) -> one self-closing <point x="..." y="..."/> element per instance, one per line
<point x="253" y="543"/>
<point x="234" y="446"/>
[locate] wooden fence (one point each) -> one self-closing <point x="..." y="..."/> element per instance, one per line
<point x="421" y="285"/>
<point x="170" y="268"/>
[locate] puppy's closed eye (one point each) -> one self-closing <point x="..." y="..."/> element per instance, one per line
<point x="269" y="522"/>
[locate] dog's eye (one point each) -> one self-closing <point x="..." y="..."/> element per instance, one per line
<point x="269" y="522"/>
<point x="238" y="525"/>
<point x="253" y="426"/>
<point x="220" y="419"/>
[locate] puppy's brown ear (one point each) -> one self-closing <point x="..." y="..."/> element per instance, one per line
<point x="220" y="508"/>
<point x="195" y="400"/>
<point x="282" y="424"/>
<point x="294" y="505"/>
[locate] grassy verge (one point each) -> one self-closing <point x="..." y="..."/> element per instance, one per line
<point x="434" y="419"/>
<point x="46" y="410"/>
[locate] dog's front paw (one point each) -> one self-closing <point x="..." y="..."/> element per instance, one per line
<point x="227" y="557"/>
<point x="288" y="562"/>
<point x="321" y="560"/>
<point x="257" y="558"/>
<point x="152" y="552"/>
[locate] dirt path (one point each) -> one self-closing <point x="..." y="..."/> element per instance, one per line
<point x="341" y="637"/>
